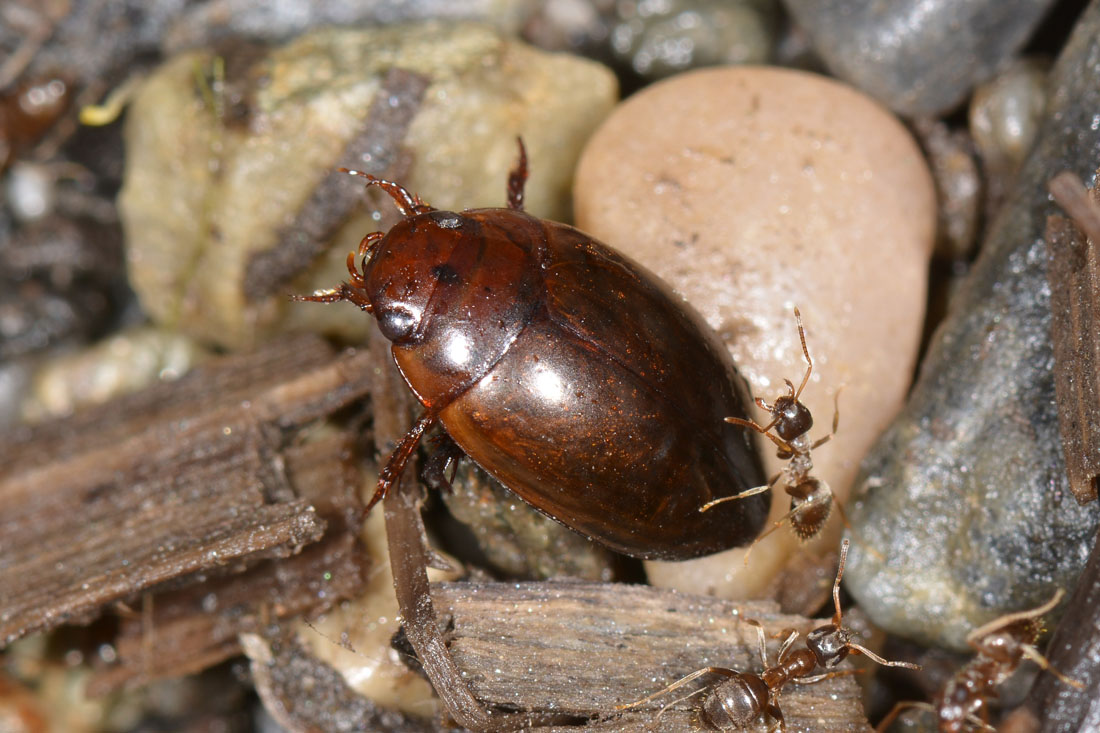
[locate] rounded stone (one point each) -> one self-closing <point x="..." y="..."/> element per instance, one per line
<point x="753" y="190"/>
<point x="231" y="201"/>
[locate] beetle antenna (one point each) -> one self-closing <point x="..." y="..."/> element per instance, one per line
<point x="407" y="203"/>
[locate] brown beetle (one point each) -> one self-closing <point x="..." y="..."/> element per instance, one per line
<point x="571" y="374"/>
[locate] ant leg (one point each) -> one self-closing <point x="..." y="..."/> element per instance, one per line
<point x="678" y="683"/>
<point x="898" y="709"/>
<point x="792" y="637"/>
<point x="777" y="715"/>
<point x="744" y="494"/>
<point x="517" y="179"/>
<point x="674" y="703"/>
<point x="445" y="454"/>
<point x="825" y="676"/>
<point x="775" y="525"/>
<point x="764" y="430"/>
<point x="397" y="461"/>
<point x="836" y="423"/>
<point x="761" y="645"/>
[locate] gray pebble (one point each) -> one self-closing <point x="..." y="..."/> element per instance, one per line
<point x="919" y="57"/>
<point x="1005" y="114"/>
<point x="658" y="38"/>
<point x="965" y="498"/>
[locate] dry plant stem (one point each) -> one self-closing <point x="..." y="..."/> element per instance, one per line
<point x="409" y="560"/>
<point x="1073" y="271"/>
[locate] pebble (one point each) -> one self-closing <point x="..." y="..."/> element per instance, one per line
<point x="231" y="200"/>
<point x="658" y="39"/>
<point x="919" y="57"/>
<point x="1005" y="113"/>
<point x="752" y="190"/>
<point x="958" y="187"/>
<point x="123" y="363"/>
<point x="354" y="637"/>
<point x="965" y="498"/>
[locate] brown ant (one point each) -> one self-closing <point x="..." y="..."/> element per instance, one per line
<point x="1001" y="646"/>
<point x="811" y="498"/>
<point x="733" y="704"/>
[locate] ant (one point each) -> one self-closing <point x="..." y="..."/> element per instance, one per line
<point x="811" y="498"/>
<point x="1001" y="646"/>
<point x="733" y="704"/>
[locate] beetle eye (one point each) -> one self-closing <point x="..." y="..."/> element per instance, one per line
<point x="397" y="324"/>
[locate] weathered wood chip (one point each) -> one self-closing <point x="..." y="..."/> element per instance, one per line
<point x="1073" y="271"/>
<point x="582" y="648"/>
<point x="180" y="478"/>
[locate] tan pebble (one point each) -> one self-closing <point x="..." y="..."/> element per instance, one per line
<point x="752" y="190"/>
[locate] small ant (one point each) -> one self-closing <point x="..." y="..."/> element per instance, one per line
<point x="733" y="704"/>
<point x="811" y="498"/>
<point x="1001" y="646"/>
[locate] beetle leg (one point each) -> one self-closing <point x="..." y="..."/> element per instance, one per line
<point x="445" y="454"/>
<point x="407" y="203"/>
<point x="368" y="241"/>
<point x="335" y="295"/>
<point x="517" y="179"/>
<point x="395" y="466"/>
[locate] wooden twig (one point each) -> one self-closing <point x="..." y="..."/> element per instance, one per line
<point x="1073" y="271"/>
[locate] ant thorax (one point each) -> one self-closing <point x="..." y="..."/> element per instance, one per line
<point x="800" y="463"/>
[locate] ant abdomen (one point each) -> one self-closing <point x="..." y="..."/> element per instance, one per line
<point x="813" y="507"/>
<point x="735" y="703"/>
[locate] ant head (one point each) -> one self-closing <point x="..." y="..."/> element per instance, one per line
<point x="830" y="644"/>
<point x="791" y="418"/>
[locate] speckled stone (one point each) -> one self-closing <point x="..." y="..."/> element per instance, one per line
<point x="661" y="39"/>
<point x="965" y="497"/>
<point x="120" y="364"/>
<point x="919" y="57"/>
<point x="1005" y="114"/>
<point x="215" y="184"/>
<point x="752" y="190"/>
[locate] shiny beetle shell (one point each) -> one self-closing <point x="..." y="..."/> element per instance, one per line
<point x="571" y="374"/>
